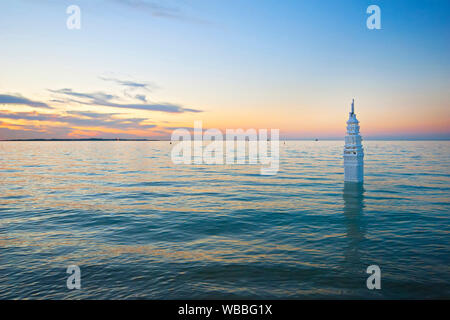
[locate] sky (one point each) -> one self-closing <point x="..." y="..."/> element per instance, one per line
<point x="142" y="68"/>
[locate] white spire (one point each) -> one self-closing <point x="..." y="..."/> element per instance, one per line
<point x="353" y="150"/>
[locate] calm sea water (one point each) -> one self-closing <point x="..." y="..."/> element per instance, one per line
<point x="141" y="227"/>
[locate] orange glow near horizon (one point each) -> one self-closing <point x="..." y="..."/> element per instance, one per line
<point x="323" y="121"/>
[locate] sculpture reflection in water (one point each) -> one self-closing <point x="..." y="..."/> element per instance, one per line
<point x="353" y="211"/>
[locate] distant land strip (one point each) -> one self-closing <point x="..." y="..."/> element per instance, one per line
<point x="90" y="139"/>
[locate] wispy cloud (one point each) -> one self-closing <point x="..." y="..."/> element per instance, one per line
<point x="75" y="118"/>
<point x="92" y="114"/>
<point x="168" y="9"/>
<point x="131" y="84"/>
<point x="10" y="99"/>
<point x="163" y="107"/>
<point x="154" y="8"/>
<point x="96" y="96"/>
<point x="103" y="99"/>
<point x="26" y="125"/>
<point x="130" y="87"/>
<point x="18" y="131"/>
<point x="141" y="97"/>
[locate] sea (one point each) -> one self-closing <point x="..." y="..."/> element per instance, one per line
<point x="139" y="226"/>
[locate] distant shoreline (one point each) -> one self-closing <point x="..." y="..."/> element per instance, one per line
<point x="93" y="139"/>
<point x="285" y="140"/>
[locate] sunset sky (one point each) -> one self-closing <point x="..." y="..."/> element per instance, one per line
<point x="141" y="68"/>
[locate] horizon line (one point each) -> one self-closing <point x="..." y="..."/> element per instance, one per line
<point x="152" y="139"/>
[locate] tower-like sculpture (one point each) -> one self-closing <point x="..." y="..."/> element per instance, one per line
<point x="353" y="150"/>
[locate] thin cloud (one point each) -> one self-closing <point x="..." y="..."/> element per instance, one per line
<point x="153" y="8"/>
<point x="141" y="97"/>
<point x="9" y="99"/>
<point x="100" y="96"/>
<point x="162" y="107"/>
<point x="32" y="132"/>
<point x="103" y="99"/>
<point x="156" y="9"/>
<point x="92" y="114"/>
<point x="131" y="84"/>
<point x="82" y="119"/>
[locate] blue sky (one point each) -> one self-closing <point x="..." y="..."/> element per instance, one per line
<point x="292" y="65"/>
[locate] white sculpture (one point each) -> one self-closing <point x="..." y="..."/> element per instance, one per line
<point x="353" y="150"/>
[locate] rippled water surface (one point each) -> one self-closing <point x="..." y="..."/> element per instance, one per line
<point x="141" y="227"/>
